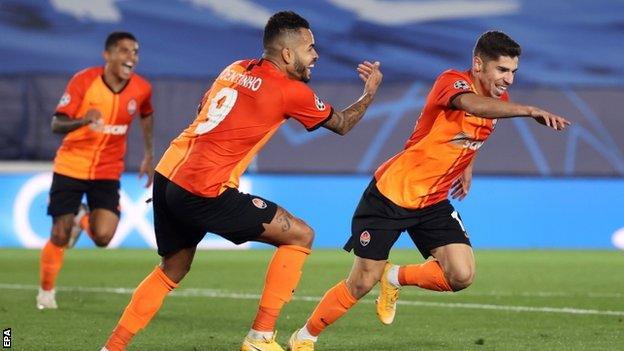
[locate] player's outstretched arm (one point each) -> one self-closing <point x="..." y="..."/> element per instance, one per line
<point x="63" y="124"/>
<point x="341" y="122"/>
<point x="488" y="107"/>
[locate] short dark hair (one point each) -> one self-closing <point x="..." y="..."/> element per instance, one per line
<point x="115" y="37"/>
<point x="494" y="44"/>
<point x="281" y="22"/>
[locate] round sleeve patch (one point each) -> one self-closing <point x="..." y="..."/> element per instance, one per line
<point x="461" y="85"/>
<point x="320" y="105"/>
<point x="65" y="99"/>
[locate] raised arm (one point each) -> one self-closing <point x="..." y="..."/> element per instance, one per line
<point x="341" y="122"/>
<point x="488" y="107"/>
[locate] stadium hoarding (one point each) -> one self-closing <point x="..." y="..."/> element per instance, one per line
<point x="500" y="212"/>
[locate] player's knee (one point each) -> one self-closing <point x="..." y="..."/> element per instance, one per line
<point x="102" y="238"/>
<point x="176" y="271"/>
<point x="59" y="235"/>
<point x="305" y="236"/>
<point x="461" y="279"/>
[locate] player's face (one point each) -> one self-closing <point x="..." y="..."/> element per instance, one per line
<point x="122" y="58"/>
<point x="496" y="76"/>
<point x="305" y="56"/>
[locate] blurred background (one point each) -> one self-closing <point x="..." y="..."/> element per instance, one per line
<point x="534" y="188"/>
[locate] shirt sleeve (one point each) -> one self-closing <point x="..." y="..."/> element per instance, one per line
<point x="73" y="95"/>
<point x="449" y="85"/>
<point x="302" y="104"/>
<point x="146" y="106"/>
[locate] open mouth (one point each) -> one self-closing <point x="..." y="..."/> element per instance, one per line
<point x="500" y="89"/>
<point x="127" y="67"/>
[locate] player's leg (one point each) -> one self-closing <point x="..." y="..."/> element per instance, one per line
<point x="65" y="196"/>
<point x="102" y="226"/>
<point x="439" y="234"/>
<point x="103" y="200"/>
<point x="293" y="239"/>
<point x="371" y="247"/>
<point x="337" y="301"/>
<point x="176" y="242"/>
<point x="148" y="297"/>
<point x="457" y="263"/>
<point x="443" y="236"/>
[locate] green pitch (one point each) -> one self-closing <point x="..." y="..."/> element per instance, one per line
<point x="521" y="300"/>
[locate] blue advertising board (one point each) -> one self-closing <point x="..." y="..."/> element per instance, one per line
<point x="499" y="212"/>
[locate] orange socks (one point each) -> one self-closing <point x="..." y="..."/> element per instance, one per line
<point x="428" y="275"/>
<point x="281" y="280"/>
<point x="335" y="303"/>
<point x="145" y="302"/>
<point x="119" y="339"/>
<point x="51" y="263"/>
<point x="265" y="319"/>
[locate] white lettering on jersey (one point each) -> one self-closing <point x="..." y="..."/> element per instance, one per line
<point x="115" y="129"/>
<point x="467" y="142"/>
<point x="244" y="80"/>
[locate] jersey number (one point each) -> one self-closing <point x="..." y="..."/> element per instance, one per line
<point x="220" y="105"/>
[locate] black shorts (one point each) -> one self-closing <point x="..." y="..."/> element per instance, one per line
<point x="181" y="218"/>
<point x="377" y="224"/>
<point x="66" y="194"/>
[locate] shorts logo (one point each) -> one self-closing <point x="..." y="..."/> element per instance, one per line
<point x="319" y="104"/>
<point x="461" y="85"/>
<point x="365" y="238"/>
<point x="65" y="99"/>
<point x="132" y="107"/>
<point x="259" y="203"/>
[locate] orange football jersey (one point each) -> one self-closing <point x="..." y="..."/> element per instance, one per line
<point x="442" y="145"/>
<point x="244" y="107"/>
<point x="85" y="153"/>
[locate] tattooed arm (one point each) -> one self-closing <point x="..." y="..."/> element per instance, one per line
<point x="341" y="122"/>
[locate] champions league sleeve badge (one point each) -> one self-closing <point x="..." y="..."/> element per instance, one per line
<point x="461" y="85"/>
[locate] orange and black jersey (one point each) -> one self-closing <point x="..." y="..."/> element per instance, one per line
<point x="442" y="145"/>
<point x="89" y="154"/>
<point x="240" y="112"/>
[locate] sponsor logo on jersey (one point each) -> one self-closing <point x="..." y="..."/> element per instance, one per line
<point x="115" y="129"/>
<point x="259" y="203"/>
<point x="467" y="142"/>
<point x="461" y="85"/>
<point x="132" y="105"/>
<point x="365" y="238"/>
<point x="319" y="104"/>
<point x="64" y="101"/>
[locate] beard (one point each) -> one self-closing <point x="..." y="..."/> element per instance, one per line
<point x="300" y="68"/>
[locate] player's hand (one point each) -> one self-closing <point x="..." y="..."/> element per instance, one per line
<point x="371" y="75"/>
<point x="92" y="115"/>
<point x="147" y="168"/>
<point x="93" y="118"/>
<point x="549" y="119"/>
<point x="461" y="185"/>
